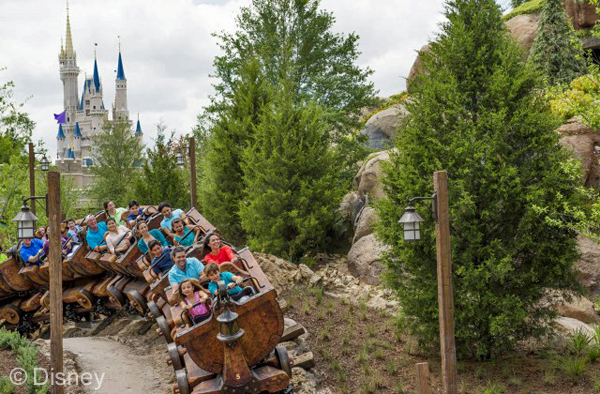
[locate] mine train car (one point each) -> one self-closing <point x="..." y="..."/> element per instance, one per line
<point x="234" y="350"/>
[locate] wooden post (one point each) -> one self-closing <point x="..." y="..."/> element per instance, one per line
<point x="444" y="274"/>
<point x="423" y="378"/>
<point x="193" y="194"/>
<point x="32" y="176"/>
<point x="56" y="311"/>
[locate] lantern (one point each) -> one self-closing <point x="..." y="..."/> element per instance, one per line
<point x="411" y="221"/>
<point x="25" y="223"/>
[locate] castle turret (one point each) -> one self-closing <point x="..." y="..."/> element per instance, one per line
<point x="120" y="111"/>
<point x="69" y="72"/>
<point x="60" y="142"/>
<point x="77" y="141"/>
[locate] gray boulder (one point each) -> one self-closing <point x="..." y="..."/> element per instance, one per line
<point x="364" y="259"/>
<point x="381" y="128"/>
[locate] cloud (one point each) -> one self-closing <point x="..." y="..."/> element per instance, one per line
<point x="168" y="50"/>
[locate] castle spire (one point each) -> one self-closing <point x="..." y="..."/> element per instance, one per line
<point x="120" y="70"/>
<point x="69" y="47"/>
<point x="96" y="75"/>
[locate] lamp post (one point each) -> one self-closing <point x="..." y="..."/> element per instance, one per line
<point x="26" y="223"/>
<point x="180" y="162"/>
<point x="411" y="223"/>
<point x="45" y="166"/>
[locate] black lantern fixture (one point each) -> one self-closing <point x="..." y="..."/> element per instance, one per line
<point x="179" y="158"/>
<point x="26" y="221"/>
<point x="411" y="220"/>
<point x="45" y="164"/>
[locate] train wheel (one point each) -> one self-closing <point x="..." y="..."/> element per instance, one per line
<point x="85" y="299"/>
<point x="284" y="359"/>
<point x="288" y="390"/>
<point x="175" y="356"/>
<point x="12" y="314"/>
<point x="120" y="299"/>
<point x="182" y="381"/>
<point x="154" y="309"/>
<point x="164" y="328"/>
<point x="141" y="306"/>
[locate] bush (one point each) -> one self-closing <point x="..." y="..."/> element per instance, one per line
<point x="6" y="386"/>
<point x="479" y="116"/>
<point x="26" y="357"/>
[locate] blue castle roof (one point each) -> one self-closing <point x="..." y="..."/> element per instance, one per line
<point x="86" y="85"/>
<point x="138" y="129"/>
<point x="77" y="131"/>
<point x="61" y="134"/>
<point x="120" y="70"/>
<point x="96" y="76"/>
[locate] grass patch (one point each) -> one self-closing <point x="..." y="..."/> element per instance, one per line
<point x="26" y="358"/>
<point x="573" y="367"/>
<point x="494" y="388"/>
<point x="531" y="7"/>
<point x="6" y="386"/>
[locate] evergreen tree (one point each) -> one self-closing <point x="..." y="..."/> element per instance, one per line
<point x="478" y="115"/>
<point x="223" y="186"/>
<point x="116" y="151"/>
<point x="516" y="3"/>
<point x="554" y="51"/>
<point x="292" y="187"/>
<point x="295" y="38"/>
<point x="161" y="178"/>
<point x="15" y="126"/>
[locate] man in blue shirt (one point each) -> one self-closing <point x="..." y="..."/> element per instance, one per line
<point x="31" y="250"/>
<point x="184" y="268"/>
<point x="161" y="262"/>
<point x="168" y="216"/>
<point x="95" y="234"/>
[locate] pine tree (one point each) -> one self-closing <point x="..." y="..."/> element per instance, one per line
<point x="116" y="152"/>
<point x="555" y="52"/>
<point x="292" y="187"/>
<point x="223" y="187"/>
<point x="478" y="114"/>
<point x="161" y="178"/>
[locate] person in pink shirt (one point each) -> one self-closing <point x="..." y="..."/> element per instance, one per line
<point x="190" y="293"/>
<point x="218" y="253"/>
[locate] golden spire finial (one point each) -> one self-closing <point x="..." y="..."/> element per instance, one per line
<point x="119" y="38"/>
<point x="69" y="38"/>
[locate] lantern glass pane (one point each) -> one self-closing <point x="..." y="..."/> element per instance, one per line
<point x="417" y="234"/>
<point x="409" y="235"/>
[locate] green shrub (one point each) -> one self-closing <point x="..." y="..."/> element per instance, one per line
<point x="6" y="386"/>
<point x="573" y="367"/>
<point x="26" y="357"/>
<point x="479" y="116"/>
<point x="530" y="7"/>
<point x="494" y="388"/>
<point x="579" y="342"/>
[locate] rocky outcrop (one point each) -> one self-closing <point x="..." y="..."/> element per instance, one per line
<point x="581" y="309"/>
<point x="582" y="14"/>
<point x="364" y="223"/>
<point x="281" y="273"/>
<point x="583" y="142"/>
<point x="364" y="259"/>
<point x="368" y="178"/>
<point x="588" y="266"/>
<point x="417" y="67"/>
<point x="524" y="29"/>
<point x="381" y="127"/>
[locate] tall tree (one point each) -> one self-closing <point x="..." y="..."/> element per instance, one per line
<point x="292" y="184"/>
<point x="15" y="125"/>
<point x="231" y="134"/>
<point x="556" y="51"/>
<point x="478" y="114"/>
<point x="161" y="178"/>
<point x="117" y="151"/>
<point x="295" y="38"/>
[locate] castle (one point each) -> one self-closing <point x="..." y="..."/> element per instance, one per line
<point x="86" y="116"/>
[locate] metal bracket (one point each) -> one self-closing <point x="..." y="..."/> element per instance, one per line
<point x="433" y="199"/>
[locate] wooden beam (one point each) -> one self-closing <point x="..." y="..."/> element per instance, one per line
<point x="193" y="193"/>
<point x="32" y="176"/>
<point x="55" y="255"/>
<point x="445" y="293"/>
<point x="292" y="332"/>
<point x="423" y="378"/>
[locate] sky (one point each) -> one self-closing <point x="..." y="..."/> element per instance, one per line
<point x="168" y="51"/>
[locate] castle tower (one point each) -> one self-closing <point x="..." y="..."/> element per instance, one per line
<point x="77" y="141"/>
<point x="138" y="129"/>
<point x="120" y="111"/>
<point x="69" y="72"/>
<point x="61" y="142"/>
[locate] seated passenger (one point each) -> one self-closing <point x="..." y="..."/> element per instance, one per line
<point x="67" y="246"/>
<point x="95" y="234"/>
<point x="148" y="236"/>
<point x="118" y="238"/>
<point x="73" y="230"/>
<point x="184" y="267"/>
<point x="169" y="215"/>
<point x="41" y="233"/>
<point x="113" y="212"/>
<point x="231" y="281"/>
<point x="31" y="250"/>
<point x="190" y="293"/>
<point x="161" y="262"/>
<point x="219" y="253"/>
<point x="182" y="233"/>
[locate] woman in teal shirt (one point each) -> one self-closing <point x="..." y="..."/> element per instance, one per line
<point x="181" y="233"/>
<point x="147" y="236"/>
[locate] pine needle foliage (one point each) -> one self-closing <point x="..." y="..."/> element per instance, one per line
<point x="292" y="183"/>
<point x="556" y="51"/>
<point x="478" y="114"/>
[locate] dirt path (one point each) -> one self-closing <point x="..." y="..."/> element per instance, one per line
<point x="124" y="371"/>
